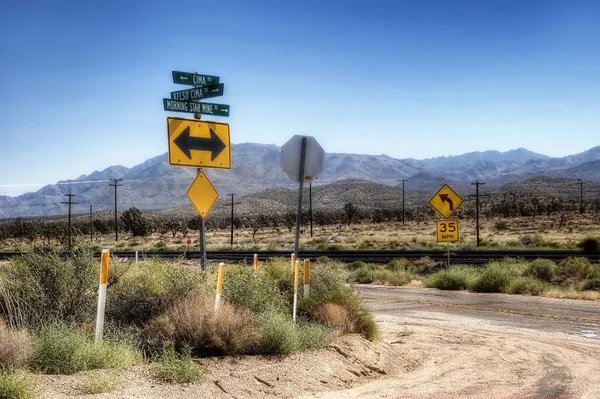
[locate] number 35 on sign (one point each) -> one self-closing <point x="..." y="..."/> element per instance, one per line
<point x="447" y="230"/>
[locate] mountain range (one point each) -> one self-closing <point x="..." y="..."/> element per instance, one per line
<point x="154" y="184"/>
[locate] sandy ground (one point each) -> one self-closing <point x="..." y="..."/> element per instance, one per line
<point x="425" y="352"/>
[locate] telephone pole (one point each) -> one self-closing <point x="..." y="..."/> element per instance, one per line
<point x="310" y="206"/>
<point x="477" y="184"/>
<point x="115" y="184"/>
<point x="231" y="239"/>
<point x="70" y="202"/>
<point x="402" y="180"/>
<point x="91" y="224"/>
<point x="580" y="182"/>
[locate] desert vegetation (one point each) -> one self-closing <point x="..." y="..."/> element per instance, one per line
<point x="162" y="313"/>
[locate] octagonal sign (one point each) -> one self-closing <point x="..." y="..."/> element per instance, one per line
<point x="291" y="154"/>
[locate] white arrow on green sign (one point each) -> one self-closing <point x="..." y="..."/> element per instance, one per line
<point x="196" y="107"/>
<point x="198" y="93"/>
<point x="194" y="79"/>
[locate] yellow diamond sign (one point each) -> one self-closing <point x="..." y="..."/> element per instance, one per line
<point x="202" y="195"/>
<point x="445" y="201"/>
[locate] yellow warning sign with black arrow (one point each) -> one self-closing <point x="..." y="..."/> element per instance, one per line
<point x="446" y="201"/>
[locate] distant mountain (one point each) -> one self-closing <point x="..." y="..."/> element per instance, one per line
<point x="154" y="184"/>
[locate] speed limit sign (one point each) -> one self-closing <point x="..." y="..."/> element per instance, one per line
<point x="447" y="230"/>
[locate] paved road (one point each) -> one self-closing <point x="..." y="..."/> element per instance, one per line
<point x="572" y="317"/>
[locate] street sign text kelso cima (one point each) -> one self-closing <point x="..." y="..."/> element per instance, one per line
<point x="198" y="143"/>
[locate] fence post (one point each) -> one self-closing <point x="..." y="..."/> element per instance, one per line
<point x="102" y="294"/>
<point x="219" y="286"/>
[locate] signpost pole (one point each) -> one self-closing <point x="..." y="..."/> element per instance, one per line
<point x="202" y="229"/>
<point x="301" y="186"/>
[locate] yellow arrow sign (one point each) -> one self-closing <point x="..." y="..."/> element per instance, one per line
<point x="202" y="194"/>
<point x="193" y="142"/>
<point x="445" y="201"/>
<point x="447" y="230"/>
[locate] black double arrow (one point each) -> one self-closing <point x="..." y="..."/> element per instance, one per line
<point x="187" y="144"/>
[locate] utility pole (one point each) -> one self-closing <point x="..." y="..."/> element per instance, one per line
<point x="115" y="184"/>
<point x="91" y="224"/>
<point x="580" y="182"/>
<point x="402" y="180"/>
<point x="310" y="206"/>
<point x="70" y="202"/>
<point x="477" y="184"/>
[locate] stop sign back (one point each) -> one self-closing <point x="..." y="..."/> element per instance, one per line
<point x="291" y="156"/>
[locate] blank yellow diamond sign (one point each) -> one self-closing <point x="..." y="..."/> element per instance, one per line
<point x="445" y="201"/>
<point x="202" y="194"/>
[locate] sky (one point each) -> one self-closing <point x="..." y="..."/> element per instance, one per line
<point x="82" y="82"/>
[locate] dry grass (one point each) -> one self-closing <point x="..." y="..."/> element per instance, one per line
<point x="15" y="347"/>
<point x="193" y="323"/>
<point x="335" y="316"/>
<point x="571" y="294"/>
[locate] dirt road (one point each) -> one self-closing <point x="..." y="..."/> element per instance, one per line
<point x="485" y="345"/>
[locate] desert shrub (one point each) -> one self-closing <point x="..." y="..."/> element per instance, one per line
<point x="589" y="244"/>
<point x="542" y="269"/>
<point x="15" y="386"/>
<point x="192" y="324"/>
<point x="327" y="277"/>
<point x="394" y="278"/>
<point x="279" y="336"/>
<point x="398" y="264"/>
<point x="574" y="268"/>
<point x="360" y="317"/>
<point x="334" y="316"/>
<point x="259" y="292"/>
<point x="493" y="279"/>
<point x="15" y="347"/>
<point x="592" y="284"/>
<point x="59" y="349"/>
<point x="501" y="225"/>
<point x="531" y="239"/>
<point x="424" y="265"/>
<point x="362" y="276"/>
<point x="525" y="285"/>
<point x="357" y="264"/>
<point x="137" y="293"/>
<point x="174" y="367"/>
<point x="41" y="287"/>
<point x="99" y="383"/>
<point x="454" y="278"/>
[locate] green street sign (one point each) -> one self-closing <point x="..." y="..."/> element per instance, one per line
<point x="195" y="107"/>
<point x="194" y="79"/>
<point x="198" y="93"/>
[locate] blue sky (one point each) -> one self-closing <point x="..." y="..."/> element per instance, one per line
<point x="82" y="82"/>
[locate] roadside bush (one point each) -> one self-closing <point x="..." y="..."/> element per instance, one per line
<point x="59" y="349"/>
<point x="589" y="244"/>
<point x="501" y="225"/>
<point x="396" y="265"/>
<point x="362" y="276"/>
<point x="334" y="316"/>
<point x="173" y="367"/>
<point x="393" y="278"/>
<point x="357" y="264"/>
<point x="259" y="292"/>
<point x="525" y="285"/>
<point x="542" y="269"/>
<point x="493" y="279"/>
<point x="574" y="268"/>
<point x="192" y="324"/>
<point x="592" y="284"/>
<point x="454" y="278"/>
<point x="15" y="386"/>
<point x="279" y="336"/>
<point x="531" y="239"/>
<point x="96" y="383"/>
<point x="15" y="347"/>
<point x="40" y="288"/>
<point x="137" y="293"/>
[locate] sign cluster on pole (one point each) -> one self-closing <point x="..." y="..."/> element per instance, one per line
<point x="446" y="201"/>
<point x="198" y="143"/>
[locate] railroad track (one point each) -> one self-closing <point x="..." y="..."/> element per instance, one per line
<point x="461" y="256"/>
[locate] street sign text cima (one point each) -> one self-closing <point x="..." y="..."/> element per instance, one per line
<point x="198" y="93"/>
<point x="194" y="79"/>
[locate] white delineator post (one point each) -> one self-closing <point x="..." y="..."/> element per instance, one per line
<point x="136" y="256"/>
<point x="306" y="277"/>
<point x="297" y="266"/>
<point x="219" y="286"/>
<point x="102" y="294"/>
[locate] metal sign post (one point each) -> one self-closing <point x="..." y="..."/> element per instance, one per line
<point x="301" y="186"/>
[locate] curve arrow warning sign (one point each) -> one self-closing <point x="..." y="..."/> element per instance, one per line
<point x="445" y="201"/>
<point x="198" y="143"/>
